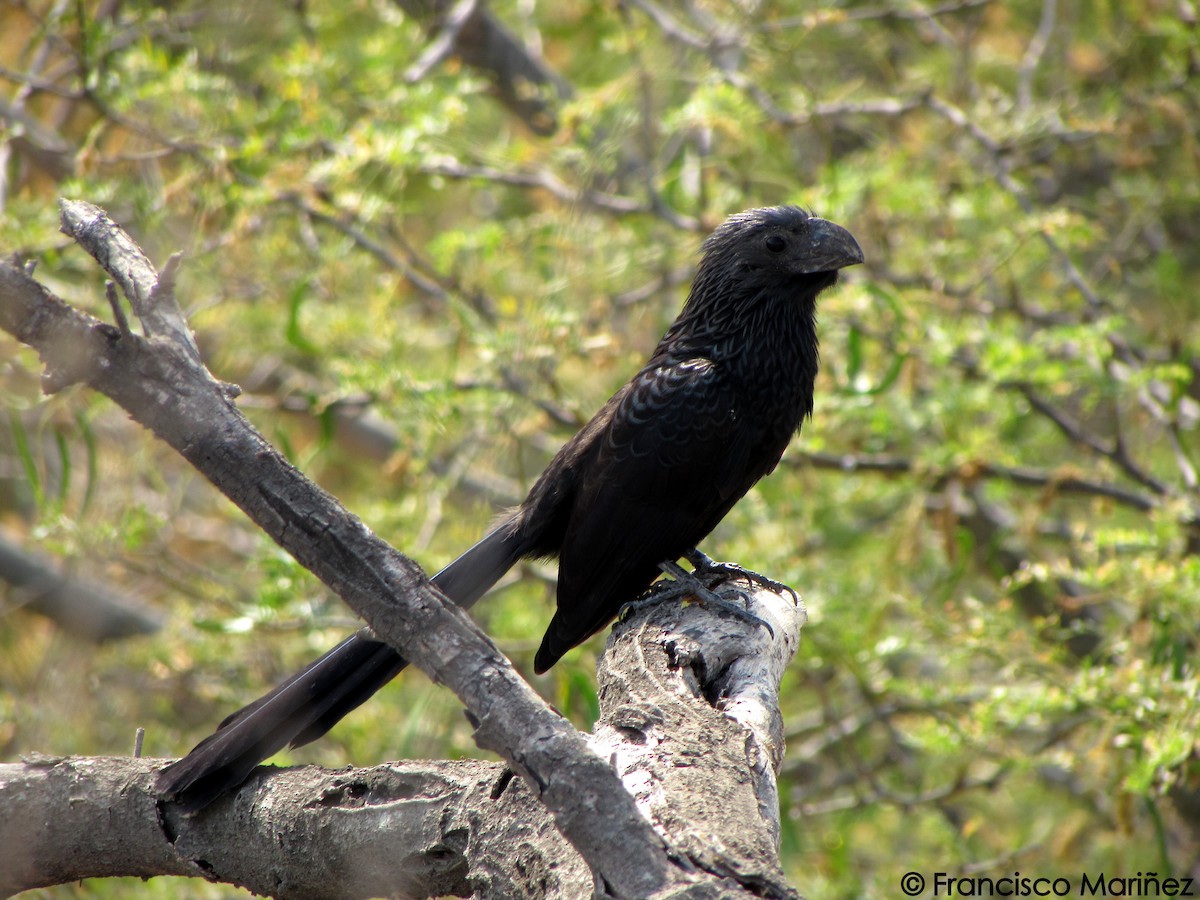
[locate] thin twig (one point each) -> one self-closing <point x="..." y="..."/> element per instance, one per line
<point x="1033" y="54"/>
<point x="975" y="471"/>
<point x="118" y="311"/>
<point x="1117" y="452"/>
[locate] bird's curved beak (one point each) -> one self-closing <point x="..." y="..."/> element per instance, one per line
<point x="830" y="247"/>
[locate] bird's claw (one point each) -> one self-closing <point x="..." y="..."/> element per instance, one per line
<point x="713" y="572"/>
<point x="701" y="589"/>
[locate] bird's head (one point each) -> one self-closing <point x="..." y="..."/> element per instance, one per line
<point x="780" y="246"/>
<point x="761" y="273"/>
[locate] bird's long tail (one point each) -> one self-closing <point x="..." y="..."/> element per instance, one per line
<point x="312" y="701"/>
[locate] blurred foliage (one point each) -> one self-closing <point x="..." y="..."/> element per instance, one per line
<point x="993" y="515"/>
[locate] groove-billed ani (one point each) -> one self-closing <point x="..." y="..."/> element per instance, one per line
<point x="642" y="483"/>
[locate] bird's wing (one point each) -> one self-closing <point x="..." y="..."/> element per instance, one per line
<point x="672" y="460"/>
<point x="676" y="428"/>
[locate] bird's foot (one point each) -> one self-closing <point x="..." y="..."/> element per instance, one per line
<point x="690" y="584"/>
<point x="658" y="592"/>
<point x="714" y="572"/>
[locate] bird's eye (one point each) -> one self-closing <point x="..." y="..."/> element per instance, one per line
<point x="775" y="242"/>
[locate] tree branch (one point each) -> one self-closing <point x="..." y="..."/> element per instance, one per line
<point x="412" y="829"/>
<point x="1065" y="482"/>
<point x="80" y="608"/>
<point x="689" y="722"/>
<point x="522" y="81"/>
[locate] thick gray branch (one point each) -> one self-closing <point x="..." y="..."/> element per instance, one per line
<point x="688" y="720"/>
<point x="690" y="717"/>
<point x="411" y="829"/>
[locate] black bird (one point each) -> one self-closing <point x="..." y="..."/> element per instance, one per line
<point x="641" y="484"/>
